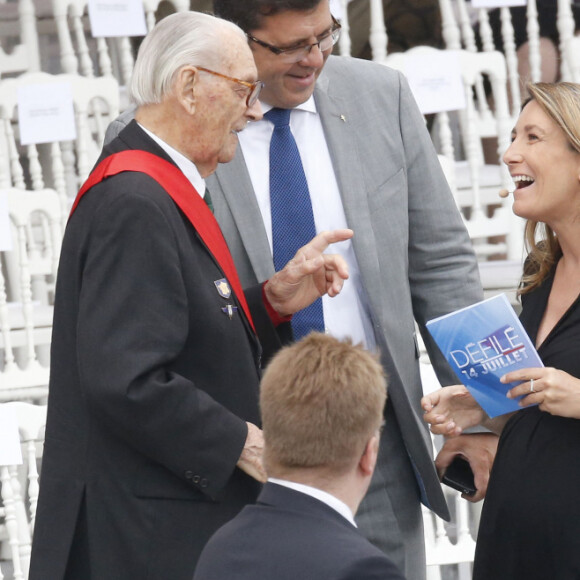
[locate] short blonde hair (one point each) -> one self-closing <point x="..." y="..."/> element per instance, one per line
<point x="321" y="400"/>
<point x="561" y="102"/>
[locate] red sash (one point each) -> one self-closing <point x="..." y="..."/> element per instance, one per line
<point x="187" y="199"/>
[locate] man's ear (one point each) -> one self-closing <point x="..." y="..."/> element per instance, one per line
<point x="370" y="455"/>
<point x="186" y="88"/>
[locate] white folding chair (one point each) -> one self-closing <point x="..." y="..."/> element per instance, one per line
<point x="451" y="544"/>
<point x="18" y="31"/>
<point x="62" y="166"/>
<point x="448" y="545"/>
<point x="457" y="35"/>
<point x="457" y="21"/>
<point x="19" y="489"/>
<point x="88" y="56"/>
<point x="574" y="52"/>
<point x="80" y="53"/>
<point x="475" y="183"/>
<point x="378" y="38"/>
<point x="27" y="293"/>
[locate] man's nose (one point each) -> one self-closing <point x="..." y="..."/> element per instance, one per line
<point x="313" y="58"/>
<point x="254" y="113"/>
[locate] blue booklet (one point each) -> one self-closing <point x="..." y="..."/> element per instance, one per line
<point x="483" y="342"/>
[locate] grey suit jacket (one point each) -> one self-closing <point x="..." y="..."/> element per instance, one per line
<point x="411" y="245"/>
<point x="412" y="248"/>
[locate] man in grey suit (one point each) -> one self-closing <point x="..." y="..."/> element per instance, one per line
<point x="370" y="164"/>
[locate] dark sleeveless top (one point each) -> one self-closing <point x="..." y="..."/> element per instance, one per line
<point x="530" y="524"/>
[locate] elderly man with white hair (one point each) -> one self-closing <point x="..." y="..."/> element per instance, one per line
<point x="152" y="437"/>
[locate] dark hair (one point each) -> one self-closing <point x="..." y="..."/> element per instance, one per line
<point x="249" y="14"/>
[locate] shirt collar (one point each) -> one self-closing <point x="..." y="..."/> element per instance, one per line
<point x="186" y="166"/>
<point x="323" y="496"/>
<point x="309" y="106"/>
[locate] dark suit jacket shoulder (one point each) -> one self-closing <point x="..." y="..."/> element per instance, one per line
<point x="289" y="535"/>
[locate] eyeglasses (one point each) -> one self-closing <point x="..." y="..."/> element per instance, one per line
<point x="297" y="53"/>
<point x="254" y="88"/>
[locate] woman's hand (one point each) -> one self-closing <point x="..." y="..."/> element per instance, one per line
<point x="450" y="410"/>
<point x="555" y="391"/>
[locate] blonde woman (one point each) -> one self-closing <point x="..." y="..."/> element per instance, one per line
<point x="530" y="525"/>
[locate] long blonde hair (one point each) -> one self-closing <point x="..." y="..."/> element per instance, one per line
<point x="561" y="102"/>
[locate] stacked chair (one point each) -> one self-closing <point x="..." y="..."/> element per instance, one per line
<point x="80" y="53"/>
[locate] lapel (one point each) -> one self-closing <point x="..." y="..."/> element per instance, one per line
<point x="339" y="114"/>
<point x="233" y="188"/>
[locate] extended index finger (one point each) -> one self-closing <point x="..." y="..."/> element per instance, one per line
<point x="321" y="241"/>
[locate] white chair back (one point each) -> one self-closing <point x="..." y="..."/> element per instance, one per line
<point x="27" y="293"/>
<point x="574" y="53"/>
<point x="378" y="38"/>
<point x="461" y="35"/>
<point x="80" y="53"/>
<point x="18" y="30"/>
<point x="475" y="184"/>
<point x="19" y="491"/>
<point x="449" y="547"/>
<point x="64" y="165"/>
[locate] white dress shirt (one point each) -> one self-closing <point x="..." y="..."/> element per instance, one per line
<point x="346" y="314"/>
<point x="327" y="498"/>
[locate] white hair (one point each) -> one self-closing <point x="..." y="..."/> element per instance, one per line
<point x="181" y="39"/>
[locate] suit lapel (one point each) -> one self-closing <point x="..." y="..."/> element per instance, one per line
<point x="234" y="199"/>
<point x="339" y="124"/>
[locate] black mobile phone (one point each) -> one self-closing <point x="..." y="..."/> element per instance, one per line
<point x="459" y="476"/>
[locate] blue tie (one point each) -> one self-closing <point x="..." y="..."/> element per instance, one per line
<point x="292" y="217"/>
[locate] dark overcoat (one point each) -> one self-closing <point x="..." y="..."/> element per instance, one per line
<point x="152" y="382"/>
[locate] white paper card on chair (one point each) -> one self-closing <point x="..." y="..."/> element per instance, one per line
<point x="5" y="233"/>
<point x="10" y="452"/>
<point x="497" y="3"/>
<point x="117" y="18"/>
<point x="46" y="113"/>
<point x="436" y="81"/>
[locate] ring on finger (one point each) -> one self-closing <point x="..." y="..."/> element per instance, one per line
<point x="532" y="386"/>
